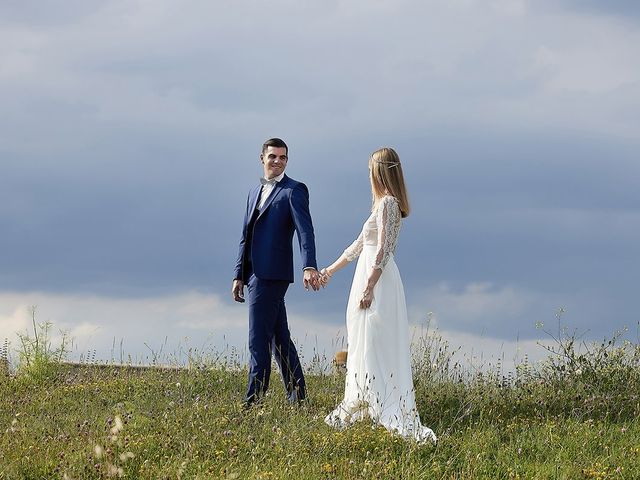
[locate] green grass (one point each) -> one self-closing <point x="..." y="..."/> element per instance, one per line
<point x="570" y="417"/>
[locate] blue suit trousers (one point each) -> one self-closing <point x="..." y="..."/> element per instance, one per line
<point x="269" y="334"/>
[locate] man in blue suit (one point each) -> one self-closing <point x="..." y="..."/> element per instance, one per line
<point x="275" y="209"/>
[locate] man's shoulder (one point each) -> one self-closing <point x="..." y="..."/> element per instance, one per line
<point x="288" y="182"/>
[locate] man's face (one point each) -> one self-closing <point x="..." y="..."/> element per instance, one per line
<point x="274" y="161"/>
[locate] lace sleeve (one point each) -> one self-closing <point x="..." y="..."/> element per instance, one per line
<point x="388" y="221"/>
<point x="355" y="249"/>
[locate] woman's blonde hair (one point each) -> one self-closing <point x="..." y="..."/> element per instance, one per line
<point x="387" y="178"/>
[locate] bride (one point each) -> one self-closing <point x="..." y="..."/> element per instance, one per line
<point x="378" y="384"/>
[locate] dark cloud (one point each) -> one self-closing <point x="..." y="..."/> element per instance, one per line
<point x="126" y="158"/>
<point x="43" y="13"/>
<point x="623" y="8"/>
<point x="560" y="217"/>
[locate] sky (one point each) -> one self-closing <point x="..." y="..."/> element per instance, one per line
<point x="130" y="133"/>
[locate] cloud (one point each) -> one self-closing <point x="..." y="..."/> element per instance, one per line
<point x="169" y="329"/>
<point x="15" y="319"/>
<point x="601" y="68"/>
<point x="47" y="13"/>
<point x="485" y="353"/>
<point x="503" y="313"/>
<point x="478" y="300"/>
<point x="126" y="156"/>
<point x="171" y="69"/>
<point x="622" y="8"/>
<point x="481" y="307"/>
<point x="143" y="325"/>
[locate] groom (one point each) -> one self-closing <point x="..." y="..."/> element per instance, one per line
<point x="275" y="208"/>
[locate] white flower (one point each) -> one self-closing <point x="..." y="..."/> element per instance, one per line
<point x="114" y="471"/>
<point x="118" y="425"/>
<point x="98" y="451"/>
<point x="126" y="456"/>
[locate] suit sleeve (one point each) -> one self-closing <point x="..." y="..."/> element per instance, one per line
<point x="299" y="202"/>
<point x="237" y="272"/>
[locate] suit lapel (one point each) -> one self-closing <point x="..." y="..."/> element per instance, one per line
<point x="255" y="197"/>
<point x="274" y="192"/>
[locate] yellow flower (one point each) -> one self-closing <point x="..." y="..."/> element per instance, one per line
<point x="328" y="468"/>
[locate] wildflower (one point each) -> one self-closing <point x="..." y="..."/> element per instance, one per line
<point x="327" y="468"/>
<point x="114" y="471"/>
<point x="118" y="425"/>
<point x="126" y="456"/>
<point x="98" y="451"/>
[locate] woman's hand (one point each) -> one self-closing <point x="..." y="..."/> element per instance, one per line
<point x="367" y="298"/>
<point x="325" y="276"/>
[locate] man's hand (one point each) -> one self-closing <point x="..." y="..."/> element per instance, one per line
<point x="311" y="278"/>
<point x="237" y="290"/>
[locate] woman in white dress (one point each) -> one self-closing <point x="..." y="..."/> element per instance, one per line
<point x="378" y="383"/>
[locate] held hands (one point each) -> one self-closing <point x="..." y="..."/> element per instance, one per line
<point x="322" y="279"/>
<point x="311" y="278"/>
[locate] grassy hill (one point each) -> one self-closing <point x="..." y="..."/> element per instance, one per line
<point x="575" y="415"/>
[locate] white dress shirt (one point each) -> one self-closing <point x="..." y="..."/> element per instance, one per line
<point x="267" y="189"/>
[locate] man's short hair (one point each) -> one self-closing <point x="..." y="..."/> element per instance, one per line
<point x="275" y="142"/>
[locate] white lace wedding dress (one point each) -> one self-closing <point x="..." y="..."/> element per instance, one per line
<point x="379" y="384"/>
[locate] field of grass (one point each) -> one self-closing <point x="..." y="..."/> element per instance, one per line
<point x="575" y="415"/>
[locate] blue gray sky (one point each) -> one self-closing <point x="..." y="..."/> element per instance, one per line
<point x="130" y="134"/>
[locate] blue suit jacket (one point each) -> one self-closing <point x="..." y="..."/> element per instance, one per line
<point x="286" y="210"/>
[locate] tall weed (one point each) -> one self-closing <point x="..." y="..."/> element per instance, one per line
<point x="38" y="358"/>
